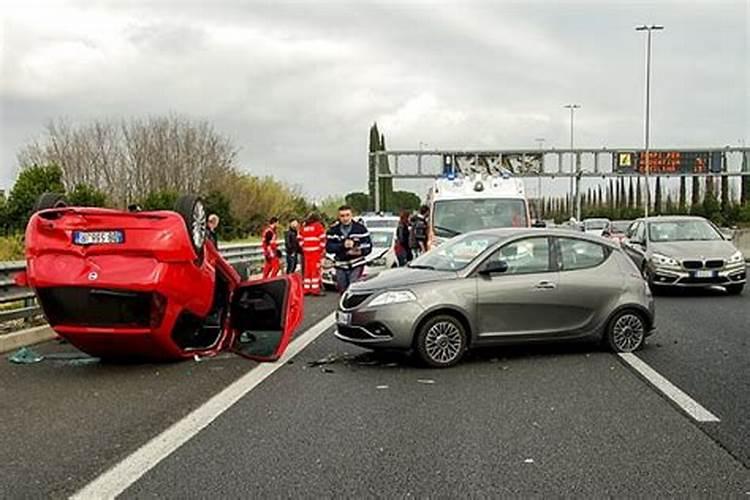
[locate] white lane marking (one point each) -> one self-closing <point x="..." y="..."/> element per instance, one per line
<point x="121" y="476"/>
<point x="691" y="406"/>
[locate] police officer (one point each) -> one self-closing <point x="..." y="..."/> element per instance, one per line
<point x="349" y="241"/>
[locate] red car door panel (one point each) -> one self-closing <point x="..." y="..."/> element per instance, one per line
<point x="264" y="316"/>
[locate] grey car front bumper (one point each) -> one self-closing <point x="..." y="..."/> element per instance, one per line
<point x="389" y="326"/>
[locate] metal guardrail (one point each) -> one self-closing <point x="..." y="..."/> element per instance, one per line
<point x="246" y="258"/>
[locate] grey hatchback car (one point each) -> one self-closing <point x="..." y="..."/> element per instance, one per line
<point x="501" y="286"/>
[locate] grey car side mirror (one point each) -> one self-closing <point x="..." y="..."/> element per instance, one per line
<point x="494" y="267"/>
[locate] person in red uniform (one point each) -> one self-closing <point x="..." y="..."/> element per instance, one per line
<point x="313" y="241"/>
<point x="271" y="251"/>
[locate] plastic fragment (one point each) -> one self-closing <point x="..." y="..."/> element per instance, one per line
<point x="25" y="356"/>
<point x="426" y="381"/>
<point x="382" y="387"/>
<point x="529" y="461"/>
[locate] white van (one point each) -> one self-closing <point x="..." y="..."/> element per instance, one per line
<point x="478" y="201"/>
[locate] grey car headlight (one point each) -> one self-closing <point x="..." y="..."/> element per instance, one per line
<point x="396" y="297"/>
<point x="736" y="258"/>
<point x="660" y="260"/>
<point x="380" y="262"/>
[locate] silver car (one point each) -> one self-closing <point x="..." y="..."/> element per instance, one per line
<point x="500" y="286"/>
<point x="685" y="251"/>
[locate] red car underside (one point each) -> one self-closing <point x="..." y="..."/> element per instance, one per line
<point x="147" y="297"/>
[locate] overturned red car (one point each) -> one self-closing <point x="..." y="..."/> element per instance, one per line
<point x="134" y="284"/>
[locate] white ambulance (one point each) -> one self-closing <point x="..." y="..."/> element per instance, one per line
<point x="462" y="203"/>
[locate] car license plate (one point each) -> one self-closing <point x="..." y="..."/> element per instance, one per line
<point x="343" y="318"/>
<point x="705" y="274"/>
<point x="98" y="237"/>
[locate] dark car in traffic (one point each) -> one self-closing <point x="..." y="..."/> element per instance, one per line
<point x="501" y="286"/>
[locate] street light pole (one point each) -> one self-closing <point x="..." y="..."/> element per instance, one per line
<point x="648" y="30"/>
<point x="573" y="176"/>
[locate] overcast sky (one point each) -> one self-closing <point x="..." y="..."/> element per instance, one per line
<point x="296" y="85"/>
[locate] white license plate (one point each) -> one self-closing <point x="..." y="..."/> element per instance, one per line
<point x="704" y="274"/>
<point x="98" y="237"/>
<point x="343" y="318"/>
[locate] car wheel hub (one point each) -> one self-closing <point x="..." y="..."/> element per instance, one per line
<point x="628" y="332"/>
<point x="443" y="342"/>
<point x="199" y="224"/>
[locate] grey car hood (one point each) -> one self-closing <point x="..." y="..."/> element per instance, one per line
<point x="401" y="277"/>
<point x="680" y="250"/>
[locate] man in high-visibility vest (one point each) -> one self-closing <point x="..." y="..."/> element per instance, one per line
<point x="312" y="238"/>
<point x="271" y="251"/>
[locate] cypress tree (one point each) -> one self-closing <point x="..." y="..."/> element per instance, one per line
<point x="657" y="196"/>
<point x="638" y="193"/>
<point x="682" y="203"/>
<point x="631" y="194"/>
<point x="696" y="192"/>
<point x="725" y="193"/>
<point x="374" y="146"/>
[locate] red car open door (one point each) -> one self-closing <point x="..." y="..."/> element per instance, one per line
<point x="264" y="316"/>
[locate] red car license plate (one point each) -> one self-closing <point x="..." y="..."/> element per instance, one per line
<point x="98" y="237"/>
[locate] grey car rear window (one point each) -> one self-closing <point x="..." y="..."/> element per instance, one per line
<point x="580" y="254"/>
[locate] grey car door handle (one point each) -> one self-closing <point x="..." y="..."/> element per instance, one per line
<point x="545" y="285"/>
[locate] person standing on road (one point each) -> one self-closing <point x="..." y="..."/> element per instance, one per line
<point x="420" y="227"/>
<point x="211" y="225"/>
<point x="403" y="243"/>
<point x="313" y="236"/>
<point x="292" y="246"/>
<point x="349" y="242"/>
<point x="271" y="252"/>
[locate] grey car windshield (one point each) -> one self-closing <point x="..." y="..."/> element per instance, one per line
<point x="682" y="230"/>
<point x="453" y="217"/>
<point x="594" y="225"/>
<point x="455" y="254"/>
<point x="381" y="223"/>
<point x="381" y="239"/>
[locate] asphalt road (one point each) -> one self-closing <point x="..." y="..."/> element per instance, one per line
<point x="569" y="420"/>
<point x="65" y="420"/>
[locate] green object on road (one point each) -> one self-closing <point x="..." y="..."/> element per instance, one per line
<point x="25" y="356"/>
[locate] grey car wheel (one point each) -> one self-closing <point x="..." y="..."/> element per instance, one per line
<point x="441" y="341"/>
<point x="626" y="332"/>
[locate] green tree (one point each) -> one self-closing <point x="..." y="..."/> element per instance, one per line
<point x="217" y="203"/>
<point x="725" y="200"/>
<point x="159" y="200"/>
<point x="682" y="202"/>
<point x="84" y="195"/>
<point x="631" y="194"/>
<point x="404" y="200"/>
<point x="31" y="183"/>
<point x="657" y="197"/>
<point x="360" y="202"/>
<point x="638" y="193"/>
<point x="374" y="146"/>
<point x="695" y="197"/>
<point x="711" y="209"/>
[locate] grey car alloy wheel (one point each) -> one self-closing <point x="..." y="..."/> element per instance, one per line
<point x="441" y="341"/>
<point x="627" y="332"/>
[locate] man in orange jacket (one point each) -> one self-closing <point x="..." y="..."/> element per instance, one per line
<point x="271" y="251"/>
<point x="313" y="241"/>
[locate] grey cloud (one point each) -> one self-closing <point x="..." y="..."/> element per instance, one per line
<point x="300" y="94"/>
